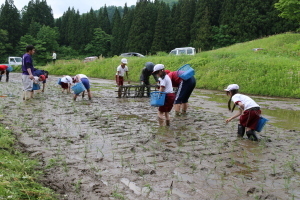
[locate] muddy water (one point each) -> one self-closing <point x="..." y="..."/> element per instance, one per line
<point x="114" y="149"/>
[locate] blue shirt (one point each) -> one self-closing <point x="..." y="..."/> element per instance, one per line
<point x="27" y="63"/>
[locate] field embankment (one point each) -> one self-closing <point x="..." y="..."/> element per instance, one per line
<point x="18" y="172"/>
<point x="272" y="71"/>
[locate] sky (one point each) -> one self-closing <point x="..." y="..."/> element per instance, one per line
<point x="84" y="6"/>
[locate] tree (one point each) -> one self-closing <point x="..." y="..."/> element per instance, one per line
<point x="45" y="42"/>
<point x="116" y="43"/>
<point x="5" y="46"/>
<point x="29" y="40"/>
<point x="290" y="9"/>
<point x="104" y="20"/>
<point x="161" y="39"/>
<point x="49" y="37"/>
<point x="126" y="22"/>
<point x="183" y="28"/>
<point x="203" y="35"/>
<point x="142" y="29"/>
<point x="37" y="11"/>
<point x="100" y="45"/>
<point x="11" y="22"/>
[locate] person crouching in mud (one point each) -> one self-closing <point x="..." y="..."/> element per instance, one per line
<point x="86" y="82"/>
<point x="249" y="112"/>
<point x="165" y="85"/>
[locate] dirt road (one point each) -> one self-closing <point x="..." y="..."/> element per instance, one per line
<point x="113" y="148"/>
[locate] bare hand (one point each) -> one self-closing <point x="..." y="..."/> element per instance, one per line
<point x="228" y="120"/>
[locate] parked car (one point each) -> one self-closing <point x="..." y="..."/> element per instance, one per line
<point x="89" y="59"/>
<point x="183" y="51"/>
<point x="14" y="60"/>
<point x="130" y="54"/>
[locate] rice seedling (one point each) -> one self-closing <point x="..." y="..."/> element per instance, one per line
<point x="77" y="186"/>
<point x="99" y="150"/>
<point x="122" y="161"/>
<point x="273" y="169"/>
<point x="287" y="183"/>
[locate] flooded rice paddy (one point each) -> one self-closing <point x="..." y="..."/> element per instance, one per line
<point x="113" y="148"/>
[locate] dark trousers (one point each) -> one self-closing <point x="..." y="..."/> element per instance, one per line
<point x="147" y="86"/>
<point x="7" y="75"/>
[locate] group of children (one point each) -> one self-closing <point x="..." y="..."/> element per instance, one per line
<point x="67" y="81"/>
<point x="166" y="80"/>
<point x="249" y="111"/>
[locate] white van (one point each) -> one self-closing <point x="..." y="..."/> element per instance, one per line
<point x="184" y="51"/>
<point x="14" y="60"/>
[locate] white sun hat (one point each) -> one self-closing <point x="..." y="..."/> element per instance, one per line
<point x="124" y="61"/>
<point x="232" y="87"/>
<point x="158" y="67"/>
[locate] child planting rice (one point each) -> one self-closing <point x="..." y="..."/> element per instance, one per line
<point x="249" y="112"/>
<point x="165" y="85"/>
<point x="85" y="81"/>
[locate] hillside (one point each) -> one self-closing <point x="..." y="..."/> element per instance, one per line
<point x="272" y="71"/>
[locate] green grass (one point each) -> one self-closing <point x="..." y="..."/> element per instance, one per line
<point x="273" y="71"/>
<point x="18" y="173"/>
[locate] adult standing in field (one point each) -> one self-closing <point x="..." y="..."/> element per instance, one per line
<point x="86" y="82"/>
<point x="3" y="70"/>
<point x="65" y="83"/>
<point x="144" y="77"/>
<point x="27" y="72"/>
<point x="249" y="112"/>
<point x="165" y="85"/>
<point x="122" y="69"/>
<point x="185" y="89"/>
<point x="54" y="57"/>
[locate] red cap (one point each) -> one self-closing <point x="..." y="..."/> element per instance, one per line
<point x="42" y="77"/>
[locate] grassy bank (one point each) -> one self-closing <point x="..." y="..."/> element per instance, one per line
<point x="273" y="71"/>
<point x="18" y="173"/>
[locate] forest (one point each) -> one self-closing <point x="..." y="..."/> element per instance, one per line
<point x="149" y="27"/>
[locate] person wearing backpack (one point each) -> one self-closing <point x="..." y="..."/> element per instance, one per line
<point x="249" y="112"/>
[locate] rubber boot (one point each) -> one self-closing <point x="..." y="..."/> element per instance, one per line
<point x="241" y="131"/>
<point x="0" y="77"/>
<point x="252" y="135"/>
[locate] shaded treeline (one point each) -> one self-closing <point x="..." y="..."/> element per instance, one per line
<point x="148" y="27"/>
